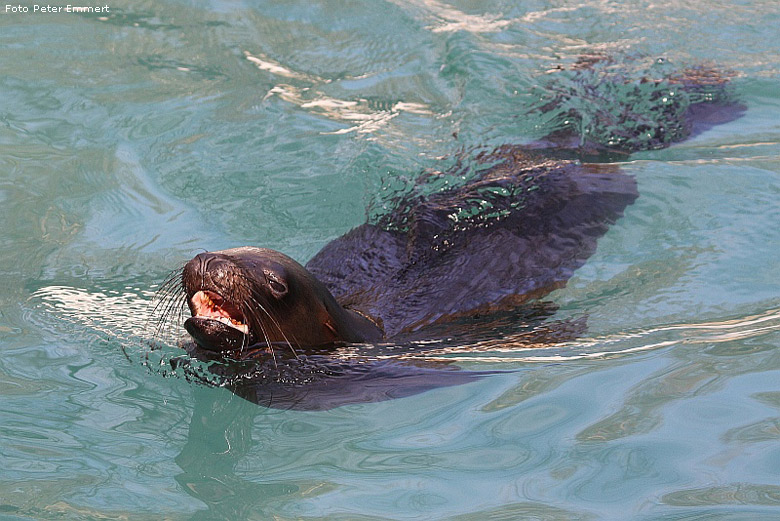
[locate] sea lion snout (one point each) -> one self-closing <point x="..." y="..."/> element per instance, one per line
<point x="215" y="297"/>
<point x="208" y="267"/>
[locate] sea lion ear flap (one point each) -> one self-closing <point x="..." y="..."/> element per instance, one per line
<point x="328" y="323"/>
<point x="329" y="328"/>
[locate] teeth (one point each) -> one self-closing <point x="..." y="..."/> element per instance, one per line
<point x="232" y="323"/>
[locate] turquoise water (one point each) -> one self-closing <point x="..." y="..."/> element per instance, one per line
<point x="132" y="140"/>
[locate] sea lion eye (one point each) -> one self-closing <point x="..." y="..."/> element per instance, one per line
<point x="278" y="287"/>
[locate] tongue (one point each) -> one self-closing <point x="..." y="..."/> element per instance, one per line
<point x="209" y="305"/>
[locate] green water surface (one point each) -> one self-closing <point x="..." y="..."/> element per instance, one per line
<point x="132" y="140"/>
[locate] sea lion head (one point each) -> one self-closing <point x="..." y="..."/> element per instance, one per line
<point x="245" y="296"/>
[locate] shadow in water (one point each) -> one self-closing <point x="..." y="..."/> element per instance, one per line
<point x="314" y="382"/>
<point x="221" y="430"/>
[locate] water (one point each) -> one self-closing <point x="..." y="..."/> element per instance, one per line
<point x="131" y="141"/>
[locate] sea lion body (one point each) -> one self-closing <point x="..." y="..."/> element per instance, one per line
<point x="512" y="235"/>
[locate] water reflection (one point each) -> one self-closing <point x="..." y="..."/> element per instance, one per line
<point x="219" y="438"/>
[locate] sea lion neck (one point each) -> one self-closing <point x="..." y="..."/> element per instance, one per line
<point x="354" y="326"/>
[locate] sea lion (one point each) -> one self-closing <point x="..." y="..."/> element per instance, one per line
<point x="512" y="232"/>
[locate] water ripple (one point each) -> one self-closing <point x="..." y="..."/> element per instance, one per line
<point x="124" y="315"/>
<point x="518" y="349"/>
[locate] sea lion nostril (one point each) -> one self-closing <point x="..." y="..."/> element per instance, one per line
<point x="204" y="258"/>
<point x="202" y="263"/>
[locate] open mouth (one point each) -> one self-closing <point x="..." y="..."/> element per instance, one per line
<point x="211" y="306"/>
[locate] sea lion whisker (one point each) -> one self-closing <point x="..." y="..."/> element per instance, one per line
<point x="275" y="322"/>
<point x="252" y="303"/>
<point x="161" y="298"/>
<point x="167" y="303"/>
<point x="281" y="331"/>
<point x="171" y="285"/>
<point x="174" y="277"/>
<point x="171" y="318"/>
<point x="256" y="312"/>
<point x="165" y="300"/>
<point x="171" y="297"/>
<point x="249" y="309"/>
<point x="270" y="346"/>
<point x="245" y="339"/>
<point x="171" y="304"/>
